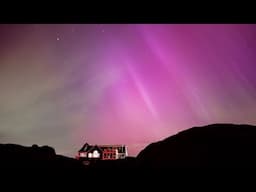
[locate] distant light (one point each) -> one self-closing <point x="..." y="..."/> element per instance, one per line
<point x="58" y="38"/>
<point x="90" y="155"/>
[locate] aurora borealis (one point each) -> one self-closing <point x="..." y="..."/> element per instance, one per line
<point x="133" y="84"/>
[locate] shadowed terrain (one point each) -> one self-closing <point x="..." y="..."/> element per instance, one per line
<point x="217" y="146"/>
<point x="212" y="147"/>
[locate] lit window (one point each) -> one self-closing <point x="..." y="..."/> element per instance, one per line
<point x="96" y="154"/>
<point x="90" y="155"/>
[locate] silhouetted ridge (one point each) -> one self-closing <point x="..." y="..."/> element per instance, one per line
<point x="212" y="146"/>
<point x="37" y="161"/>
<point x="218" y="146"/>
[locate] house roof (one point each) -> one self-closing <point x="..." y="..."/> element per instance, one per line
<point x="94" y="148"/>
<point x="87" y="148"/>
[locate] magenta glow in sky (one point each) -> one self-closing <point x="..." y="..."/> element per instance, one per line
<point x="64" y="85"/>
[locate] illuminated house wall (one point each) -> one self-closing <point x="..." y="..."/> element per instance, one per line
<point x="102" y="152"/>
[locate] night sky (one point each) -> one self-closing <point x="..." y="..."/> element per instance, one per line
<point x="64" y="85"/>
